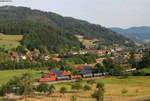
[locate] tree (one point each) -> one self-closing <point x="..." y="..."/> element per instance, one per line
<point x="145" y="63"/>
<point x="100" y="85"/>
<point x="26" y="81"/>
<point x="86" y="88"/>
<point x="132" y="60"/>
<point x="118" y="70"/>
<point x="98" y="95"/>
<point x="21" y="49"/>
<point x="67" y="65"/>
<point x="51" y="90"/>
<point x="73" y="98"/>
<point x="63" y="90"/>
<point x="91" y="82"/>
<point x="43" y="87"/>
<point x="108" y="64"/>
<point x="3" y="90"/>
<point x="100" y="68"/>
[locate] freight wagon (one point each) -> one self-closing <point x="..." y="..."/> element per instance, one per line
<point x="87" y="75"/>
<point x="76" y="76"/>
<point x="63" y="78"/>
<point x="97" y="74"/>
<point x="47" y="79"/>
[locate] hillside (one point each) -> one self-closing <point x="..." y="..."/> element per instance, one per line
<point x="138" y="34"/>
<point x="40" y="36"/>
<point x="49" y="31"/>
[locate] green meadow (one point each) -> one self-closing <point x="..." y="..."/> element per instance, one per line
<point x="6" y="75"/>
<point x="10" y="41"/>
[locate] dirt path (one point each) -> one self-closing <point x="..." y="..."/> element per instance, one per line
<point x="107" y="98"/>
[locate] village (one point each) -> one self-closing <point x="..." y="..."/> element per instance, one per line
<point x="118" y="54"/>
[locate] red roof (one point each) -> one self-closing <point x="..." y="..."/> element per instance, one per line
<point x="65" y="73"/>
<point x="57" y="59"/>
<point x="79" y="67"/>
<point x="15" y="54"/>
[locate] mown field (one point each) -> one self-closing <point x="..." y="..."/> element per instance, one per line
<point x="87" y="43"/>
<point x="9" y="41"/>
<point x="138" y="88"/>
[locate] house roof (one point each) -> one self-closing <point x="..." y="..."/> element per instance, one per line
<point x="59" y="72"/>
<point x="57" y="59"/>
<point x="119" y="59"/>
<point x="86" y="72"/>
<point x="79" y="68"/>
<point x="15" y="54"/>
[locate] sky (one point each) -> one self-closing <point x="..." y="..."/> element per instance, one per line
<point x="108" y="13"/>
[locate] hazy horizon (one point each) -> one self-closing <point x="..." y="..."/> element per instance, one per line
<point x="108" y="13"/>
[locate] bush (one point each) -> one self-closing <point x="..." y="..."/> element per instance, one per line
<point x="126" y="75"/>
<point x="124" y="91"/>
<point x="91" y="82"/>
<point x="43" y="87"/>
<point x="142" y="72"/>
<point x="136" y="90"/>
<point x="100" y="85"/>
<point x="77" y="86"/>
<point x="73" y="98"/>
<point x="86" y="88"/>
<point x="98" y="95"/>
<point x="51" y="89"/>
<point x="79" y="80"/>
<point x="3" y="90"/>
<point x="63" y="90"/>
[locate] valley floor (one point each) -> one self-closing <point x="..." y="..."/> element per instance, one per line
<point x="138" y="88"/>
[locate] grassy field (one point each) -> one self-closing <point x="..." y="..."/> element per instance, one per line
<point x="87" y="43"/>
<point x="10" y="41"/>
<point x="6" y="75"/>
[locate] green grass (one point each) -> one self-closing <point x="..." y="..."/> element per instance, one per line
<point x="6" y="75"/>
<point x="87" y="43"/>
<point x="145" y="70"/>
<point x="10" y="41"/>
<point x="1" y="100"/>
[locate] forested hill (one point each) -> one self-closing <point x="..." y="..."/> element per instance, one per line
<point x="48" y="31"/>
<point x="138" y="34"/>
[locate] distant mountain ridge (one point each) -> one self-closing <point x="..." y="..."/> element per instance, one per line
<point x="138" y="34"/>
<point x="51" y="31"/>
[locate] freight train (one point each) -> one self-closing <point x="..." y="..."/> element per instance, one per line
<point x="54" y="77"/>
